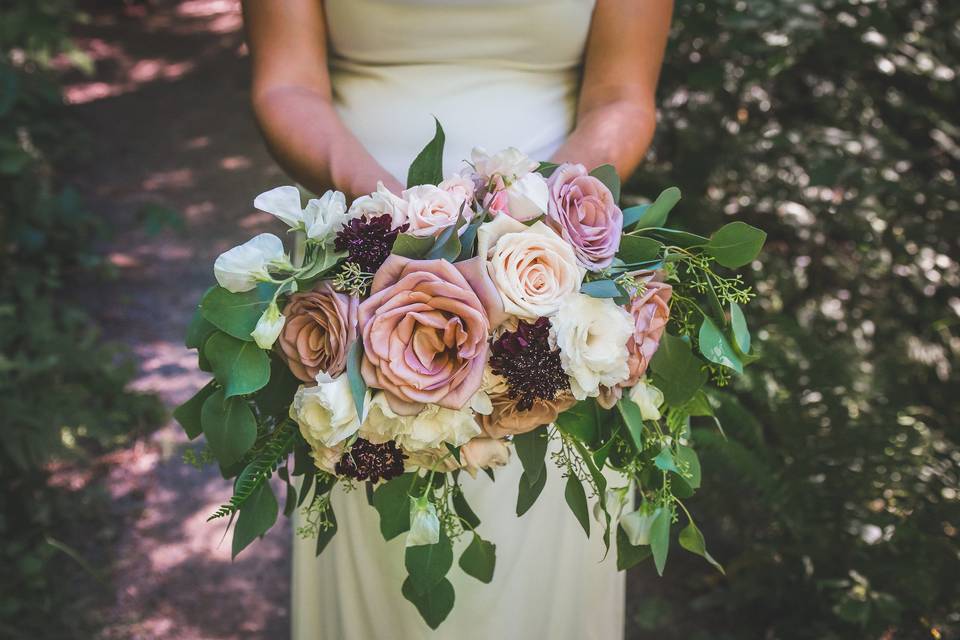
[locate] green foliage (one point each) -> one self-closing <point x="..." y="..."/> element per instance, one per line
<point x="832" y="126"/>
<point x="427" y="167"/>
<point x="479" y="559"/>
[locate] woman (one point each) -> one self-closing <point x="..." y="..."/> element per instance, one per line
<point x="344" y="92"/>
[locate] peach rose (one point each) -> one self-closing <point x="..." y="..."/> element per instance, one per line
<point x="425" y="330"/>
<point x="650" y="312"/>
<point x="484" y="453"/>
<point x="508" y="420"/>
<point x="321" y="325"/>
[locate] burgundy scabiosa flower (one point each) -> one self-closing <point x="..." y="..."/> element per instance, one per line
<point x="373" y="462"/>
<point x="368" y="241"/>
<point x="525" y="360"/>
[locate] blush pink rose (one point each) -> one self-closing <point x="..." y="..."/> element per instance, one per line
<point x="321" y="325"/>
<point x="582" y="210"/>
<point x="425" y="330"/>
<point x="650" y="312"/>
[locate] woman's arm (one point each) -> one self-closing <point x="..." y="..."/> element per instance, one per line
<point x="616" y="112"/>
<point x="292" y="100"/>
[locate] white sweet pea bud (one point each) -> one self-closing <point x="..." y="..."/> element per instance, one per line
<point x="424" y="523"/>
<point x="637" y="524"/>
<point x="615" y="500"/>
<point x="282" y="202"/>
<point x="240" y="268"/>
<point x="527" y="197"/>
<point x="268" y="327"/>
<point x="648" y="398"/>
<point x="324" y="217"/>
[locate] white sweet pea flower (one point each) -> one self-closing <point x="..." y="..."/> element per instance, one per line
<point x="511" y="163"/>
<point x="325" y="413"/>
<point x="648" y="398"/>
<point x="616" y="499"/>
<point x="282" y="202"/>
<point x="240" y="268"/>
<point x="268" y="327"/>
<point x="424" y="523"/>
<point x="324" y="217"/>
<point x="527" y="197"/>
<point x="637" y="524"/>
<point x="592" y="335"/>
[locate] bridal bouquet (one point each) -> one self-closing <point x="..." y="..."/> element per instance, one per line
<point x="413" y="337"/>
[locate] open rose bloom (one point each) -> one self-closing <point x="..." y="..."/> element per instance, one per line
<point x="509" y="313"/>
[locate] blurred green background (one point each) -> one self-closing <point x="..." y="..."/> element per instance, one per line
<point x="832" y="124"/>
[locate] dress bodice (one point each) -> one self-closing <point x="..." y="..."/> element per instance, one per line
<point x="496" y="73"/>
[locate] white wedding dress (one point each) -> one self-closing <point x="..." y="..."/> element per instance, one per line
<point x="496" y="73"/>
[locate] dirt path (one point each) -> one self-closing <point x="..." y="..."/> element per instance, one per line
<point x="170" y="127"/>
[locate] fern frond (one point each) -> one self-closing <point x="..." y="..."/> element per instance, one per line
<point x="260" y="468"/>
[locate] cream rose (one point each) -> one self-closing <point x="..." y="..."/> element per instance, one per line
<point x="325" y="413"/>
<point x="429" y="429"/>
<point x="532" y="267"/>
<point x="592" y="335"/>
<point x="380" y="202"/>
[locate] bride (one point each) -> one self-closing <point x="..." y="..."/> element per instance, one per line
<point x="345" y="92"/>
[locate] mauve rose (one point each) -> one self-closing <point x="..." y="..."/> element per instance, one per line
<point x="582" y="210"/>
<point x="650" y="312"/>
<point x="425" y="330"/>
<point x="321" y="325"/>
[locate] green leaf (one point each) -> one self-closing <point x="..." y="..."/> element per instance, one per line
<point x="463" y="510"/>
<point x="678" y="373"/>
<point x="628" y="555"/>
<point x="698" y="405"/>
<point x="468" y="239"/>
<point x="600" y="483"/>
<point x="652" y="215"/>
<point x="258" y="514"/>
<point x="241" y="367"/>
<point x="323" y="261"/>
<point x="635" y="249"/>
<point x="413" y="247"/>
<point x="634" y="421"/>
<point x="660" y="538"/>
<point x="546" y="169"/>
<point x="580" y="421"/>
<point x="454" y="450"/>
<point x="229" y="426"/>
<point x="427" y="167"/>
<point x="664" y="460"/>
<point x="692" y="540"/>
<point x="324" y="536"/>
<point x="391" y="500"/>
<point x="691" y="463"/>
<point x="435" y="605"/>
<point x="577" y="501"/>
<point x="237" y="313"/>
<point x="188" y="414"/>
<point x="741" y="334"/>
<point x="447" y="246"/>
<point x="601" y="289"/>
<point x="682" y="239"/>
<point x="358" y="386"/>
<point x="479" y="559"/>
<point x="530" y="491"/>
<point x="531" y="448"/>
<point x="198" y="331"/>
<point x="606" y="174"/>
<point x="736" y="244"/>
<point x="275" y="398"/>
<point x="427" y="564"/>
<point x="715" y="348"/>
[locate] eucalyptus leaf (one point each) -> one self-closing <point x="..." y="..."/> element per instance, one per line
<point x="601" y="289"/>
<point x="358" y="386"/>
<point x="241" y="367"/>
<point x="188" y="414"/>
<point x="324" y="536"/>
<point x="257" y="515"/>
<point x="229" y="426"/>
<point x="741" y="334"/>
<point x="692" y="540"/>
<point x="447" y="246"/>
<point x="673" y="237"/>
<point x="629" y="555"/>
<point x="531" y="448"/>
<point x="580" y="421"/>
<point x="427" y="167"/>
<point x="463" y="510"/>
<point x="691" y="462"/>
<point x="479" y="559"/>
<point x="660" y="538"/>
<point x="652" y="215"/>
<point x="633" y="419"/>
<point x="237" y="313"/>
<point x="433" y="606"/>
<point x="635" y="249"/>
<point x="529" y="491"/>
<point x="427" y="564"/>
<point x="664" y="460"/>
<point x="391" y="500"/>
<point x="410" y="246"/>
<point x="715" y="348"/>
<point x="736" y="244"/>
<point x="198" y="331"/>
<point x="677" y="372"/>
<point x="576" y="499"/>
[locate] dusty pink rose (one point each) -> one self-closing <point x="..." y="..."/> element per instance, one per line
<point x="582" y="210"/>
<point x="650" y="311"/>
<point x="321" y="325"/>
<point x="425" y="330"/>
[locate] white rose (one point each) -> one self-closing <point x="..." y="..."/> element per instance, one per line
<point x="378" y="203"/>
<point x="240" y="268"/>
<point x="461" y="187"/>
<point x="430" y="210"/>
<point x="484" y="453"/>
<point x="527" y="197"/>
<point x="324" y="217"/>
<point x="429" y="429"/>
<point x="268" y="326"/>
<point x="592" y="335"/>
<point x="326" y="413"/>
<point x="282" y="202"/>
<point x="648" y="398"/>
<point x="532" y="267"/>
<point x="326" y="458"/>
<point x="511" y="163"/>
<point x="424" y="523"/>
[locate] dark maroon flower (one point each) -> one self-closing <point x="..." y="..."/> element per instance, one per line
<point x="525" y="360"/>
<point x="373" y="462"/>
<point x="367" y="240"/>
